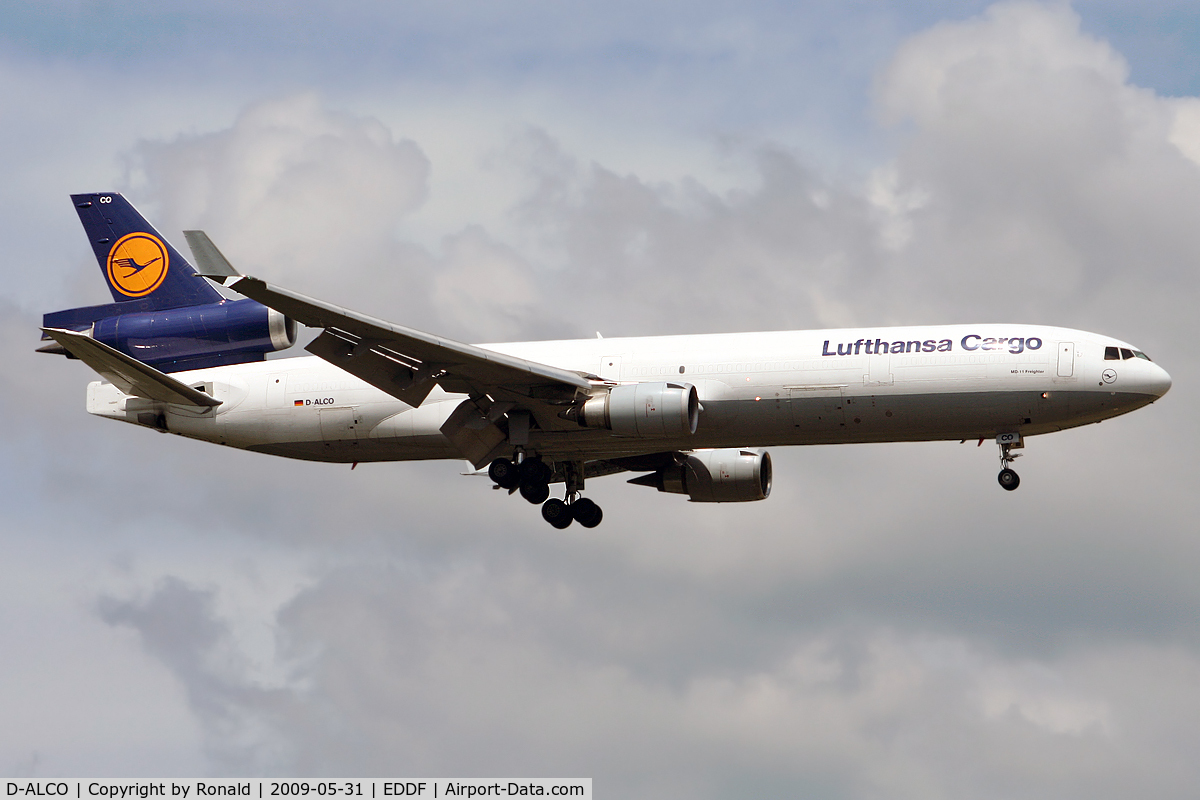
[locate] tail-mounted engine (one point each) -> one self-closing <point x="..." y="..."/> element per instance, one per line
<point x="644" y="410"/>
<point x="715" y="476"/>
<point x="191" y="337"/>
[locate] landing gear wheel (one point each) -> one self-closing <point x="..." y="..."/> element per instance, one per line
<point x="557" y="513"/>
<point x="505" y="473"/>
<point x="535" y="492"/>
<point x="586" y="512"/>
<point x="1008" y="442"/>
<point x="534" y="470"/>
<point x="1009" y="479"/>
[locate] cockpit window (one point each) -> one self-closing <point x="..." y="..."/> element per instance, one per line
<point x="1123" y="353"/>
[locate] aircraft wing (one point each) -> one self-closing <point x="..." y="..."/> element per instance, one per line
<point x="128" y="374"/>
<point x="458" y="367"/>
<point x="405" y="362"/>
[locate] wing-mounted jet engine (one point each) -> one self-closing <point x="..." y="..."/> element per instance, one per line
<point x="644" y="410"/>
<point x="164" y="315"/>
<point x="737" y="475"/>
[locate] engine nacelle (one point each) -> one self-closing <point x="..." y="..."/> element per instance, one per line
<point x="645" y="410"/>
<point x="198" y="336"/>
<point x="716" y="476"/>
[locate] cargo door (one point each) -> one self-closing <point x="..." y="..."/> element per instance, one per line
<point x="339" y="424"/>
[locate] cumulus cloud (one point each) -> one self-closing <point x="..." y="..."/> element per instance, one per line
<point x="1046" y="175"/>
<point x="295" y="190"/>
<point x="484" y="286"/>
<point x="662" y="257"/>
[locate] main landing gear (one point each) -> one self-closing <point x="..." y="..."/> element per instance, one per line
<point x="532" y="476"/>
<point x="561" y="513"/>
<point x="1008" y="442"/>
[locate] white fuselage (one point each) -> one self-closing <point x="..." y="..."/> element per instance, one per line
<point x="756" y="389"/>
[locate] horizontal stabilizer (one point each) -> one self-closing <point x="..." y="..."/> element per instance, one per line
<point x="210" y="262"/>
<point x="128" y="374"/>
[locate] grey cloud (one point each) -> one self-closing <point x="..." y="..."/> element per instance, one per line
<point x="291" y="187"/>
<point x="177" y="624"/>
<point x="476" y="669"/>
<point x="657" y="258"/>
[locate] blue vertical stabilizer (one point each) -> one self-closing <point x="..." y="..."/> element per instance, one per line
<point x="137" y="262"/>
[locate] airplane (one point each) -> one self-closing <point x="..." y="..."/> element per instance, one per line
<point x="692" y="414"/>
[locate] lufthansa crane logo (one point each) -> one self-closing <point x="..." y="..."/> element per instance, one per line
<point x="137" y="264"/>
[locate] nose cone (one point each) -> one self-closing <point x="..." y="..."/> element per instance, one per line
<point x="1164" y="381"/>
<point x="1158" y="382"/>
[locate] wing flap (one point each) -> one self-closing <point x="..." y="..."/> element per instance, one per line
<point x="128" y="374"/>
<point x="476" y="436"/>
<point x="407" y="382"/>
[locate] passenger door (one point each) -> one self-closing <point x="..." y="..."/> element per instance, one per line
<point x="1066" y="359"/>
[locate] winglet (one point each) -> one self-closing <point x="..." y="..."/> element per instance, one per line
<point x="210" y="261"/>
<point x="128" y="374"/>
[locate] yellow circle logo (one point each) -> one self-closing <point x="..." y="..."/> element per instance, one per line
<point x="137" y="264"/>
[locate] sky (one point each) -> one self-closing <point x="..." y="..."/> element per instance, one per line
<point x="889" y="623"/>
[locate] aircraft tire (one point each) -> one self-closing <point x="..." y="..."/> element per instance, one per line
<point x="586" y="513"/>
<point x="504" y="473"/>
<point x="534" y="470"/>
<point x="1009" y="479"/>
<point x="557" y="513"/>
<point x="535" y="493"/>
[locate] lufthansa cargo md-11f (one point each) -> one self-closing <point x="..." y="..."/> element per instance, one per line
<point x="692" y="414"/>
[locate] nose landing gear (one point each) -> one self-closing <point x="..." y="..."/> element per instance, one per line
<point x="532" y="476"/>
<point x="1009" y="479"/>
<point x="1008" y="442"/>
